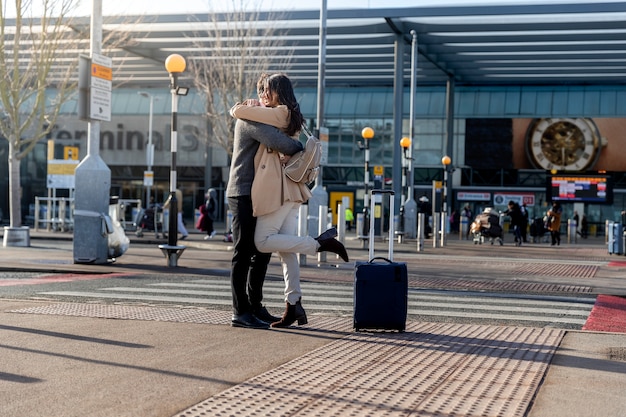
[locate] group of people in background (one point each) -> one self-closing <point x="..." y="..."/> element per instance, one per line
<point x="520" y="222"/>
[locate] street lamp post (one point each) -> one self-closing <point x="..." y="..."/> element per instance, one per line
<point x="150" y="148"/>
<point x="174" y="64"/>
<point x="446" y="160"/>
<point x="367" y="133"/>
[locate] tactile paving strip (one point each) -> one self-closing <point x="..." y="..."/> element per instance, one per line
<point x="562" y="270"/>
<point x="491" y="285"/>
<point x="431" y="370"/>
<point x="175" y="314"/>
<point x="125" y="312"/>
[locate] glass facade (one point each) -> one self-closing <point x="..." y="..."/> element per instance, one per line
<point x="347" y="112"/>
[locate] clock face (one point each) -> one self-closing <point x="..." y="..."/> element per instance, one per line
<point x="563" y="144"/>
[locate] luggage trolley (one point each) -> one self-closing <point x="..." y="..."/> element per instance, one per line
<point x="150" y="219"/>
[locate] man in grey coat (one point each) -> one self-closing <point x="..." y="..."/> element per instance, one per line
<point x="248" y="265"/>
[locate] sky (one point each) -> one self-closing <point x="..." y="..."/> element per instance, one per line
<point x="140" y="7"/>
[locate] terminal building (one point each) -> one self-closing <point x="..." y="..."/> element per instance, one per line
<point x="530" y="110"/>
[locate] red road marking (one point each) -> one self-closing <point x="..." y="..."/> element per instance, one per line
<point x="58" y="278"/>
<point x="608" y="315"/>
<point x="617" y="263"/>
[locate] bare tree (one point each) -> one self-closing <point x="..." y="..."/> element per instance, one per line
<point x="231" y="54"/>
<point x="27" y="112"/>
<point x="38" y="74"/>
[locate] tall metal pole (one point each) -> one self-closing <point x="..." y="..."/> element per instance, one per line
<point x="172" y="235"/>
<point x="319" y="195"/>
<point x="175" y="64"/>
<point x="150" y="148"/>
<point x="412" y="111"/>
<point x="150" y="160"/>
<point x="93" y="179"/>
<point x="367" y="133"/>
<point x="410" y="205"/>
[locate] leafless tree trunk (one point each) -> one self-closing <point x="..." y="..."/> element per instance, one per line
<point x="231" y="55"/>
<point x="28" y="113"/>
<point x="38" y="74"/>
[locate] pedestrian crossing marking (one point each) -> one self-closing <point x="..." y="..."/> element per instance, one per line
<point x="337" y="299"/>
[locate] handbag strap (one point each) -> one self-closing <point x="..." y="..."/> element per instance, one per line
<point x="306" y="130"/>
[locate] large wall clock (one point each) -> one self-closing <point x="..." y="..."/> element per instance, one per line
<point x="564" y="144"/>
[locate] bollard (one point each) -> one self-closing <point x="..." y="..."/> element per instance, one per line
<point x="443" y="217"/>
<point x="229" y="221"/>
<point x="341" y="224"/>
<point x="360" y="228"/>
<point x="322" y="226"/>
<point x="397" y="222"/>
<point x="464" y="228"/>
<point x="571" y="231"/>
<point x="435" y="227"/>
<point x="303" y="214"/>
<point x="420" y="232"/>
<point x="359" y="225"/>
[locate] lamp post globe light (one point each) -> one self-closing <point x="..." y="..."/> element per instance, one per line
<point x="368" y="134"/>
<point x="174" y="64"/>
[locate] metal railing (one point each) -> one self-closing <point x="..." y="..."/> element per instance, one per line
<point x="56" y="213"/>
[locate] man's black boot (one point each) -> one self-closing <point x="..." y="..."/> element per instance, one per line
<point x="261" y="313"/>
<point x="249" y="321"/>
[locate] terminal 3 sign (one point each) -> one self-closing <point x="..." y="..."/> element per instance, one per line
<point x="124" y="142"/>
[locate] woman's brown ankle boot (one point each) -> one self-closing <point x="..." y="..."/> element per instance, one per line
<point x="292" y="313"/>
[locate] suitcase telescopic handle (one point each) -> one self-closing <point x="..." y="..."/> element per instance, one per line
<point x="372" y="222"/>
<point x="381" y="258"/>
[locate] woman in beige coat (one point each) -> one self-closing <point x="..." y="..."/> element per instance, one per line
<point x="276" y="199"/>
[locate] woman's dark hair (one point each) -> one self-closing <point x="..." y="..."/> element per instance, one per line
<point x="281" y="85"/>
<point x="260" y="84"/>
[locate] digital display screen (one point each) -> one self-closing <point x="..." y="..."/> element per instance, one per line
<point x="596" y="189"/>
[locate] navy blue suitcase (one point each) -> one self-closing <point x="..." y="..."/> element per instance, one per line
<point x="380" y="286"/>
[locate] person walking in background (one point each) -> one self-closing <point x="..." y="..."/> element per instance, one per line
<point x="524" y="224"/>
<point x="467" y="212"/>
<point x="349" y="218"/>
<point x="208" y="214"/>
<point x="179" y="219"/>
<point x="583" y="227"/>
<point x="424" y="206"/>
<point x="248" y="265"/>
<point x="515" y="213"/>
<point x="454" y="221"/>
<point x="576" y="219"/>
<point x="554" y="218"/>
<point x="276" y="199"/>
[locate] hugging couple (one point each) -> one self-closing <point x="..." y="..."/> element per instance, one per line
<point x="265" y="204"/>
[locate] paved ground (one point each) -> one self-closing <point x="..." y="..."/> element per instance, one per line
<point x="87" y="359"/>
